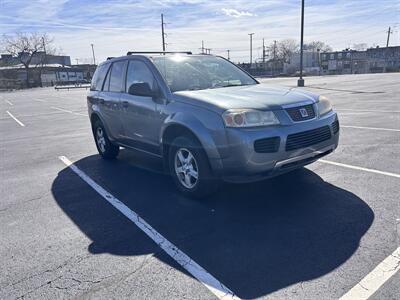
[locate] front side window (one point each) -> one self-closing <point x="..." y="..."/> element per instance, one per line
<point x="117" y="76"/>
<point x="138" y="72"/>
<point x="185" y="73"/>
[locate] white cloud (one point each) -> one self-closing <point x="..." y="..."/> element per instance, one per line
<point x="235" y="13"/>
<point x="121" y="25"/>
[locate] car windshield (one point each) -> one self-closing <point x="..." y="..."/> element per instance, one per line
<point x="187" y="73"/>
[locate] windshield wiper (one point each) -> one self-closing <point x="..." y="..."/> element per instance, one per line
<point x="229" y="85"/>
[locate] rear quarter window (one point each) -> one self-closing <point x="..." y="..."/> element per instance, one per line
<point x="98" y="77"/>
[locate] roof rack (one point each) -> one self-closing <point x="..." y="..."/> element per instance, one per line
<point x="158" y="52"/>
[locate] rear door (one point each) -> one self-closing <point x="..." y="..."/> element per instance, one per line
<point x="109" y="99"/>
<point x="141" y="119"/>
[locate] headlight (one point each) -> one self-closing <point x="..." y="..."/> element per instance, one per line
<point x="249" y="118"/>
<point x="324" y="106"/>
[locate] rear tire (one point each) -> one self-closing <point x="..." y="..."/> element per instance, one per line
<point x="190" y="169"/>
<point x="106" y="149"/>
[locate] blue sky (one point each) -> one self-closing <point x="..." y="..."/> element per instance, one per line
<point x="115" y="27"/>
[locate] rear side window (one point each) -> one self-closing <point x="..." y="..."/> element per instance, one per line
<point x="138" y="72"/>
<point x="117" y="76"/>
<point x="98" y="77"/>
<point x="106" y="85"/>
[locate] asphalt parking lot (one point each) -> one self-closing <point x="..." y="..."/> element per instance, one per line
<point x="316" y="233"/>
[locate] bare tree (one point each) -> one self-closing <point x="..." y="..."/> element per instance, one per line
<point x="317" y="45"/>
<point x="30" y="49"/>
<point x="286" y="48"/>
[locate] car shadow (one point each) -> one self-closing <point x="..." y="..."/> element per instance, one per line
<point x="255" y="238"/>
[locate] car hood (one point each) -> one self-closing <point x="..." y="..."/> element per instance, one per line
<point x="258" y="96"/>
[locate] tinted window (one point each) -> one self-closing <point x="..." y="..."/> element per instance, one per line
<point x="138" y="72"/>
<point x="106" y="85"/>
<point x="117" y="76"/>
<point x="98" y="77"/>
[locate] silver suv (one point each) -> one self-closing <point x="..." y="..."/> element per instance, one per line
<point x="206" y="118"/>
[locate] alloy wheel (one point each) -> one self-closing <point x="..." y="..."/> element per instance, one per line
<point x="186" y="168"/>
<point x="100" y="139"/>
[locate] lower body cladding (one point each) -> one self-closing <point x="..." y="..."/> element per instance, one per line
<point x="259" y="153"/>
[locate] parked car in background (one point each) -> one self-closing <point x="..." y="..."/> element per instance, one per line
<point x="207" y="119"/>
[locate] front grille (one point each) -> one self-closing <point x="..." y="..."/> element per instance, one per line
<point x="295" y="113"/>
<point x="267" y="145"/>
<point x="335" y="127"/>
<point x="307" y="138"/>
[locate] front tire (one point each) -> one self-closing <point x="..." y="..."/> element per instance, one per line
<point x="106" y="149"/>
<point x="190" y="169"/>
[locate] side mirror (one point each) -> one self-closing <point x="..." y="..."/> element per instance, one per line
<point x="141" y="89"/>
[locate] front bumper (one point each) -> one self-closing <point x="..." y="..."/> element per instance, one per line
<point x="244" y="164"/>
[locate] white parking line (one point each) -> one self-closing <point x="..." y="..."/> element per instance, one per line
<point x="62" y="109"/>
<point x="69" y="111"/>
<point x="372" y="111"/>
<point x="15" y="119"/>
<point x="80" y="114"/>
<point x="39" y="100"/>
<point x="359" y="168"/>
<point x="370" y="128"/>
<point x="215" y="286"/>
<point x="376" y="278"/>
<point x="9" y="102"/>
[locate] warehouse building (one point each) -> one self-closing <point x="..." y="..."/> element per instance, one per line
<point x="373" y="60"/>
<point x="45" y="70"/>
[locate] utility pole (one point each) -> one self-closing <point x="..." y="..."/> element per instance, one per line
<point x="274" y="50"/>
<point x="263" y="55"/>
<point x="389" y="32"/>
<point x="44" y="49"/>
<point x="202" y="47"/>
<point x="300" y="82"/>
<point x="162" y="32"/>
<point x="77" y="61"/>
<point x="44" y="45"/>
<point x="251" y="48"/>
<point x="94" y="58"/>
<point x="229" y="58"/>
<point x="43" y="60"/>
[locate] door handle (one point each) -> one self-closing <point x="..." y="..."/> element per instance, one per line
<point x="125" y="104"/>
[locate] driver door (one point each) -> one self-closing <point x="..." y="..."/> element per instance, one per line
<point x="141" y="118"/>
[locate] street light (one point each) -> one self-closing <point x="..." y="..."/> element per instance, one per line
<point x="300" y="82"/>
<point x="251" y="48"/>
<point x="94" y="58"/>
